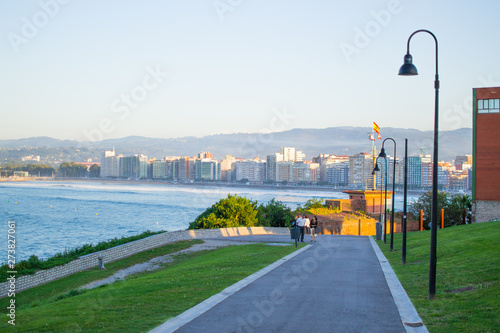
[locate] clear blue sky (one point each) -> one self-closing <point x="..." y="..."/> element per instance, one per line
<point x="81" y="70"/>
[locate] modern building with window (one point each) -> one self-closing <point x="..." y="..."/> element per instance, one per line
<point x="271" y="166"/>
<point x="337" y="174"/>
<point x="129" y="167"/>
<point x="110" y="164"/>
<point x="184" y="169"/>
<point x="160" y="169"/>
<point x="251" y="171"/>
<point x="485" y="154"/>
<point x="207" y="169"/>
<point x="360" y="171"/>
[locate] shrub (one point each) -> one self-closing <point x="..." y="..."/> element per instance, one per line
<point x="233" y="211"/>
<point x="310" y="204"/>
<point x="275" y="214"/>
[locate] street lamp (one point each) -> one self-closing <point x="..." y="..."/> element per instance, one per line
<point x="377" y="163"/>
<point x="408" y="69"/>
<point x="383" y="155"/>
<point x="405" y="197"/>
<point x="385" y="201"/>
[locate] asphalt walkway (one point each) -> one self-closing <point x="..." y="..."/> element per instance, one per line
<point x="338" y="284"/>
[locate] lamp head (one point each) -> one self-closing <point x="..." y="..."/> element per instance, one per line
<point x="375" y="169"/>
<point x="408" y="68"/>
<point x="382" y="153"/>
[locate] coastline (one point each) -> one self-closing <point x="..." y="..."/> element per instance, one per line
<point x="322" y="188"/>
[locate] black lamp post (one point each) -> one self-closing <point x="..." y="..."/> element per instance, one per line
<point x="385" y="200"/>
<point x="377" y="163"/>
<point x="383" y="155"/>
<point x="409" y="69"/>
<point x="405" y="198"/>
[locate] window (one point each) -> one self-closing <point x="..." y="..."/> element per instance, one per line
<point x="488" y="105"/>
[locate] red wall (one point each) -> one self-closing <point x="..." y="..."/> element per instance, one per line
<point x="487" y="161"/>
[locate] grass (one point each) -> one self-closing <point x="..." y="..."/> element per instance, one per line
<point x="467" y="256"/>
<point x="143" y="301"/>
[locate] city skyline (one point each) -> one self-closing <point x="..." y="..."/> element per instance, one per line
<point x="93" y="71"/>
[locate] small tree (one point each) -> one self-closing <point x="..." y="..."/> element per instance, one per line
<point x="233" y="211"/>
<point x="460" y="205"/>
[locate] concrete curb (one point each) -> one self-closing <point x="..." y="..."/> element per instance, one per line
<point x="185" y="317"/>
<point x="409" y="315"/>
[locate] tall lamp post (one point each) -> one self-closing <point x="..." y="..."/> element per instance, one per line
<point x="408" y="69"/>
<point x="383" y="155"/>
<point x="377" y="163"/>
<point x="405" y="198"/>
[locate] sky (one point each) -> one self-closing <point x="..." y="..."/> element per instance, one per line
<point x="94" y="70"/>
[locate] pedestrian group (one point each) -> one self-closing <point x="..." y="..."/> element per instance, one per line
<point x="303" y="222"/>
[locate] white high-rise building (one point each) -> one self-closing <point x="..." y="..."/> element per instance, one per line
<point x="110" y="164"/>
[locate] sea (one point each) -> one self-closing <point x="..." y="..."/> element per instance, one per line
<point x="52" y="216"/>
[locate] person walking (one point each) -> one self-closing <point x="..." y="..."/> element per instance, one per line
<point x="307" y="223"/>
<point x="300" y="223"/>
<point x="314" y="228"/>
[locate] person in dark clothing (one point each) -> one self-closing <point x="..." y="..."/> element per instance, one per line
<point x="314" y="227"/>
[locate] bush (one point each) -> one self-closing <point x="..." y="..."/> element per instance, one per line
<point x="310" y="204"/>
<point x="233" y="211"/>
<point x="275" y="214"/>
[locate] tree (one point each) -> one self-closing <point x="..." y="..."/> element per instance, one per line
<point x="41" y="170"/>
<point x="94" y="171"/>
<point x="460" y="206"/>
<point x="275" y="214"/>
<point x="453" y="207"/>
<point x="233" y="211"/>
<point x="72" y="169"/>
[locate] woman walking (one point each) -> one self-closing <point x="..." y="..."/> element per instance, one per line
<point x="314" y="227"/>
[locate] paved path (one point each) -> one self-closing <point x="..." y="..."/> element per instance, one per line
<point x="338" y="284"/>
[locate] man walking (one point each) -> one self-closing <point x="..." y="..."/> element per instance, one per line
<point x="300" y="223"/>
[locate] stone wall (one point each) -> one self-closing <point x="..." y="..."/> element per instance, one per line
<point x="119" y="252"/>
<point x="362" y="226"/>
<point x="485" y="211"/>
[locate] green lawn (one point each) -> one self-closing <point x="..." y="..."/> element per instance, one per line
<point x="467" y="256"/>
<point x="143" y="301"/>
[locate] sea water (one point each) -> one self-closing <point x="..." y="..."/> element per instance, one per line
<point x="52" y="216"/>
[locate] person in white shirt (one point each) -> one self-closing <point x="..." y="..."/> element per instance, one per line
<point x="300" y="223"/>
<point x="307" y="222"/>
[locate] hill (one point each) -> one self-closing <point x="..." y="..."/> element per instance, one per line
<point x="332" y="140"/>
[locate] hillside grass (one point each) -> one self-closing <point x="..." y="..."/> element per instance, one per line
<point x="34" y="264"/>
<point x="467" y="256"/>
<point x="140" y="302"/>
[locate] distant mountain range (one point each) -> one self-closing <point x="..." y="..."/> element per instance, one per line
<point x="332" y="140"/>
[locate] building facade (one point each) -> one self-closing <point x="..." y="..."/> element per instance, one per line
<point x="110" y="164"/>
<point x="360" y="171"/>
<point x="485" y="152"/>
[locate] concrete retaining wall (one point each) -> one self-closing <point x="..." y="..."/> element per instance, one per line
<point x="119" y="252"/>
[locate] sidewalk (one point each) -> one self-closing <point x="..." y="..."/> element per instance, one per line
<point x="338" y="284"/>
